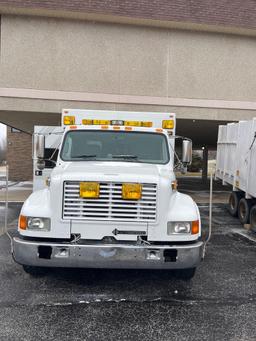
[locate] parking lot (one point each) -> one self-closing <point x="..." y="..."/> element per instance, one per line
<point x="111" y="111"/>
<point x="69" y="304"/>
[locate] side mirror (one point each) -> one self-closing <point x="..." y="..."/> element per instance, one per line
<point x="39" y="146"/>
<point x="186" y="152"/>
<point x="40" y="164"/>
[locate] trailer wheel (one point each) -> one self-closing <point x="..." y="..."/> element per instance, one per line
<point x="35" y="271"/>
<point x="186" y="274"/>
<point x="253" y="218"/>
<point x="233" y="203"/>
<point x="244" y="209"/>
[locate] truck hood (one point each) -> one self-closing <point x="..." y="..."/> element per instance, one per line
<point x="111" y="171"/>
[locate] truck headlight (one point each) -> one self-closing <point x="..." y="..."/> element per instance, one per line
<point x="178" y="227"/>
<point x="34" y="223"/>
<point x="39" y="224"/>
<point x="182" y="227"/>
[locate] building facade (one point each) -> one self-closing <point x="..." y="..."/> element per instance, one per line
<point x="194" y="58"/>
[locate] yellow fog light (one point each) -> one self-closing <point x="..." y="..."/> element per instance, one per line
<point x="168" y="124"/>
<point x="68" y="120"/>
<point x="131" y="191"/>
<point x="89" y="189"/>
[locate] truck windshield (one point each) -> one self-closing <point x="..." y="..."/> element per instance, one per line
<point x="88" y="145"/>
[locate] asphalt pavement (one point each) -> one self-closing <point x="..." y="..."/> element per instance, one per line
<point x="219" y="303"/>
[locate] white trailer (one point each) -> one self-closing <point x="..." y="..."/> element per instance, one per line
<point x="111" y="199"/>
<point x="236" y="166"/>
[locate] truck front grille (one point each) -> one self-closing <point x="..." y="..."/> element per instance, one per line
<point x="109" y="205"/>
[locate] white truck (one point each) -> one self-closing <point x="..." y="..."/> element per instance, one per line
<point x="236" y="166"/>
<point x="111" y="200"/>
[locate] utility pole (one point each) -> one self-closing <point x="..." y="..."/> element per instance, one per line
<point x="205" y="164"/>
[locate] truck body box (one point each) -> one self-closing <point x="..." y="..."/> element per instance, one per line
<point x="236" y="156"/>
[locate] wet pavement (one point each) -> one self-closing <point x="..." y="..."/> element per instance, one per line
<point x="17" y="191"/>
<point x="70" y="304"/>
<point x="199" y="190"/>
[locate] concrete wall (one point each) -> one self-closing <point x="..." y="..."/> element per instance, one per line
<point x="48" y="64"/>
<point x="56" y="54"/>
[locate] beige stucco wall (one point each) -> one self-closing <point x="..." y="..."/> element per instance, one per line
<point x="47" y="64"/>
<point x="54" y="54"/>
<point x="158" y="65"/>
<point x="213" y="66"/>
<point x="57" y="54"/>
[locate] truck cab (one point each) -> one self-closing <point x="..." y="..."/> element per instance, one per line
<point x="111" y="199"/>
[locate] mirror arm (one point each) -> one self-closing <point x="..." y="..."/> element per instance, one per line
<point x="180" y="137"/>
<point x="50" y="160"/>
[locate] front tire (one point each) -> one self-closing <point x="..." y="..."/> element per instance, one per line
<point x="186" y="274"/>
<point x="35" y="271"/>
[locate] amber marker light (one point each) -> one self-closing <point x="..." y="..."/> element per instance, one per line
<point x="132" y="123"/>
<point x="195" y="227"/>
<point x="89" y="190"/>
<point x="87" y="122"/>
<point x="131" y="191"/>
<point x="101" y="122"/>
<point x="23" y="223"/>
<point x="168" y="124"/>
<point x="68" y="120"/>
<point x="174" y="185"/>
<point x="147" y="124"/>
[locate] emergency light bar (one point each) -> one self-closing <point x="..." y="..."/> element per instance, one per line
<point x="70" y="120"/>
<point x="77" y="117"/>
<point x="166" y="124"/>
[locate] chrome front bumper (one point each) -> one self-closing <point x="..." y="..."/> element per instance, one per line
<point x="49" y="254"/>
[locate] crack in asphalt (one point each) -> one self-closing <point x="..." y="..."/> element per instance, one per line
<point x="228" y="301"/>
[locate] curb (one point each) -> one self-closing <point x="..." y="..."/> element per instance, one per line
<point x="244" y="234"/>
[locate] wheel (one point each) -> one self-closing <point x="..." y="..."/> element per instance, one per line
<point x="35" y="271"/>
<point x="186" y="274"/>
<point x="253" y="218"/>
<point x="244" y="208"/>
<point x="233" y="203"/>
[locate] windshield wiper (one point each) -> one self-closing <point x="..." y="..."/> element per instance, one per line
<point x="132" y="157"/>
<point x="84" y="156"/>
